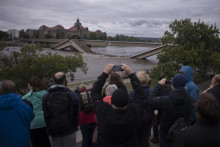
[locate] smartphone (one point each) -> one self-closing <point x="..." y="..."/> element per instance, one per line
<point x="117" y="68"/>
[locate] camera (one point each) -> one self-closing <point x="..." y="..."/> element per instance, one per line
<point x="117" y="68"/>
<point x="168" y="81"/>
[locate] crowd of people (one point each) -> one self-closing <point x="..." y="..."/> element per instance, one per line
<point x="50" y="117"/>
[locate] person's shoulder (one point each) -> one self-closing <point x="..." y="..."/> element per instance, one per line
<point x="27" y="95"/>
<point x="74" y="95"/>
<point x="42" y="92"/>
<point x="191" y="84"/>
<point x="26" y="107"/>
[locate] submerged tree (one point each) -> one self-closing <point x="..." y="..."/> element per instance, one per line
<point x="30" y="61"/>
<point x="189" y="43"/>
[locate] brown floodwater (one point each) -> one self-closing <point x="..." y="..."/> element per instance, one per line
<point x="97" y="63"/>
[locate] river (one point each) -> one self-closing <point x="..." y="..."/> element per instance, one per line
<point x="97" y="63"/>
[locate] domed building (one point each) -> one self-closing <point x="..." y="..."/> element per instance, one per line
<point x="59" y="32"/>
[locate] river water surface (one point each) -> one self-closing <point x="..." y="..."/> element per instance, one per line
<point x="96" y="63"/>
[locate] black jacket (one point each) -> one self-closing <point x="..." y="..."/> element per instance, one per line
<point x="117" y="127"/>
<point x="199" y="136"/>
<point x="177" y="104"/>
<point x="215" y="91"/>
<point x="59" y="118"/>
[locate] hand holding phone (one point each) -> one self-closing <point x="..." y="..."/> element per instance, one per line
<point x="117" y="68"/>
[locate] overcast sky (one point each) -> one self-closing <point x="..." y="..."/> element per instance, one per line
<point x="145" y="18"/>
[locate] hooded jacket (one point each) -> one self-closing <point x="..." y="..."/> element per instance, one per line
<point x="176" y="104"/>
<point x="190" y="87"/>
<point x="36" y="99"/>
<point x="117" y="128"/>
<point x="15" y="121"/>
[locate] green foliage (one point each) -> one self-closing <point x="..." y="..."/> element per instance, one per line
<point x="2" y="46"/>
<point x="3" y="35"/>
<point x="130" y="38"/>
<point x="122" y="38"/>
<point x="189" y="43"/>
<point x="30" y="61"/>
<point x="98" y="36"/>
<point x="93" y="35"/>
<point x="48" y="36"/>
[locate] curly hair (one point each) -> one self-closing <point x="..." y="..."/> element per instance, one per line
<point x="216" y="80"/>
<point x="116" y="79"/>
<point x="208" y="109"/>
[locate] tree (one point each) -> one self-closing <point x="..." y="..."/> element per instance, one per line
<point x="104" y="36"/>
<point x="30" y="61"/>
<point x="48" y="36"/>
<point x="93" y="35"/>
<point x="3" y="35"/>
<point x="188" y="43"/>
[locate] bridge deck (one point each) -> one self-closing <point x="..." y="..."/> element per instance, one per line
<point x="148" y="53"/>
<point x="74" y="44"/>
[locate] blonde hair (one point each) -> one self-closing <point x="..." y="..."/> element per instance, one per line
<point x="143" y="77"/>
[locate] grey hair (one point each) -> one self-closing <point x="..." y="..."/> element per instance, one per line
<point x="110" y="89"/>
<point x="7" y="86"/>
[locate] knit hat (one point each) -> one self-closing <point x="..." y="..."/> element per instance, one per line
<point x="178" y="81"/>
<point x="110" y="89"/>
<point x="120" y="98"/>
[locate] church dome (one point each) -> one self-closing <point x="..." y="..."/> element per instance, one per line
<point x="98" y="31"/>
<point x="59" y="27"/>
<point x="43" y="27"/>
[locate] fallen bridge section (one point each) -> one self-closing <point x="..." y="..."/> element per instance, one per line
<point x="145" y="54"/>
<point x="74" y="45"/>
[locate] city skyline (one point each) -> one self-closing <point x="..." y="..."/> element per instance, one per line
<point x="140" y="18"/>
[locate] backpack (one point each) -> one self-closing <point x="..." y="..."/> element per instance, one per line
<point x="86" y="102"/>
<point x="176" y="128"/>
<point x="60" y="114"/>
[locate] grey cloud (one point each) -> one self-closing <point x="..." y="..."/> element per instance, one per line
<point x="141" y="17"/>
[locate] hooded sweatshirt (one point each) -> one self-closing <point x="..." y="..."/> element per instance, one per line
<point x="190" y="87"/>
<point x="15" y="121"/>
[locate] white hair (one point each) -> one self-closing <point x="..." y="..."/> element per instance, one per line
<point x="110" y="89"/>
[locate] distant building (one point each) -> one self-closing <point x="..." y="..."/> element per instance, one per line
<point x="13" y="33"/>
<point x="32" y="33"/>
<point x="59" y="32"/>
